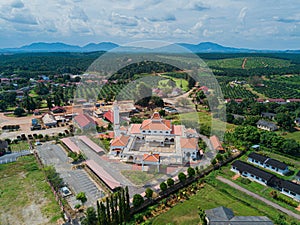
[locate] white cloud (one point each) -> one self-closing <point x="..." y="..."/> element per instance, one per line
<point x="77" y="21"/>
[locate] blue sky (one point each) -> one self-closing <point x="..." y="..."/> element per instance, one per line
<point x="267" y="24"/>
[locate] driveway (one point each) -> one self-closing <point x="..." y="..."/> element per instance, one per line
<point x="276" y="206"/>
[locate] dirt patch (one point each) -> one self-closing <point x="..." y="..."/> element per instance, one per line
<point x="298" y="208"/>
<point x="33" y="215"/>
<point x="236" y="176"/>
<point x="244" y="63"/>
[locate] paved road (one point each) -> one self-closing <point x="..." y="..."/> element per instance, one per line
<point x="77" y="179"/>
<point x="276" y="206"/>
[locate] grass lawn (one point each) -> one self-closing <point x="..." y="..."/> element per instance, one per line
<point x="206" y="118"/>
<point x="295" y="135"/>
<point x="139" y="177"/>
<point x="25" y="196"/>
<point x="22" y="145"/>
<point x="209" y="197"/>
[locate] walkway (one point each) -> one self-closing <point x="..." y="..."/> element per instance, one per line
<point x="276" y="206"/>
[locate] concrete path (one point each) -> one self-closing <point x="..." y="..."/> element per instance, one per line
<point x="276" y="206"/>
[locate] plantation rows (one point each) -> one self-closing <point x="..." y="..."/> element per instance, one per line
<point x="98" y="92"/>
<point x="236" y="92"/>
<point x="275" y="89"/>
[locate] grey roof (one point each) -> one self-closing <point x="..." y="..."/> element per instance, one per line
<point x="245" y="167"/>
<point x="225" y="216"/>
<point x="219" y="214"/>
<point x="258" y="157"/>
<point x="3" y="145"/>
<point x="275" y="163"/>
<point x="268" y="115"/>
<point x="291" y="186"/>
<point x="267" y="124"/>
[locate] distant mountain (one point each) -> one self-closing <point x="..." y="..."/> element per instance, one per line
<point x="209" y="47"/>
<point x="103" y="46"/>
<point x="204" y="47"/>
<point x="61" y="47"/>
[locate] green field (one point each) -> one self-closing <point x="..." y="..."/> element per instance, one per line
<point x="25" y="196"/>
<point x="295" y="135"/>
<point x="205" y="118"/>
<point x="139" y="177"/>
<point x="211" y="196"/>
<point x="22" y="145"/>
<point x="252" y="62"/>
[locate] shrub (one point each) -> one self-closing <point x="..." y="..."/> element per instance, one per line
<point x="170" y="182"/>
<point x="181" y="177"/>
<point x="138" y="200"/>
<point x="191" y="172"/>
<point x="77" y="206"/>
<point x="163" y="186"/>
<point x="245" y="181"/>
<point x="149" y="193"/>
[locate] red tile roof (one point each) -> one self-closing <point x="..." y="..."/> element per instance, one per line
<point x="83" y="120"/>
<point x="120" y="141"/>
<point x="103" y="175"/>
<point x="109" y="115"/>
<point x="216" y="143"/>
<point x="151" y="157"/>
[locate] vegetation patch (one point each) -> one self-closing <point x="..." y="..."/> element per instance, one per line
<point x="25" y="195"/>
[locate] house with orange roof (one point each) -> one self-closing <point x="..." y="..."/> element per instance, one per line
<point x="216" y="144"/>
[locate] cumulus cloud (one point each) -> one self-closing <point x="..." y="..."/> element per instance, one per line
<point x="17" y="13"/>
<point x="123" y="20"/>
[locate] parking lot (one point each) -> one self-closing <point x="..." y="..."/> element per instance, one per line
<point x="77" y="180"/>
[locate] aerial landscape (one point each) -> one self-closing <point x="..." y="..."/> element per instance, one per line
<point x="149" y="112"/>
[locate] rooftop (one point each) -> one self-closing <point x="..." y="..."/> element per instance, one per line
<point x="245" y="167"/>
<point x="258" y="157"/>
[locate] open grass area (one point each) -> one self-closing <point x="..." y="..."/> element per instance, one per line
<point x="294" y="135"/>
<point x="22" y="145"/>
<point x="139" y="177"/>
<point x="218" y="194"/>
<point x="206" y="118"/>
<point x="25" y="196"/>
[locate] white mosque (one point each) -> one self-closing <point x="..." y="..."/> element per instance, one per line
<point x="156" y="141"/>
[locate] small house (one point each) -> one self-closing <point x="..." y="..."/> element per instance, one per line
<point x="266" y="125"/>
<point x="216" y="144"/>
<point x="84" y="121"/>
<point x="267" y="115"/>
<point x="225" y="216"/>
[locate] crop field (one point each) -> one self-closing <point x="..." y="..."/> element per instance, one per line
<point x="25" y="196"/>
<point x="277" y="89"/>
<point x="252" y="62"/>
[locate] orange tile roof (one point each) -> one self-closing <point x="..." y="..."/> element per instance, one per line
<point x="216" y="143"/>
<point x="135" y="128"/>
<point x="151" y="157"/>
<point x="120" y="141"/>
<point x="110" y="134"/>
<point x="191" y="143"/>
<point x="177" y="130"/>
<point x="156" y="125"/>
